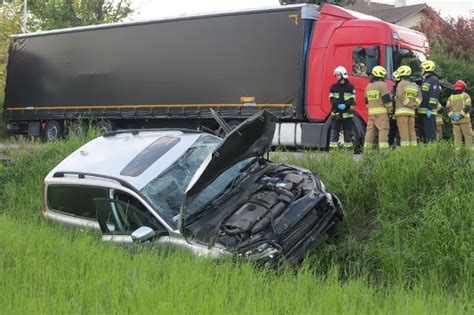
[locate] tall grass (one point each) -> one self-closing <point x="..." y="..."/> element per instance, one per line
<point x="406" y="246"/>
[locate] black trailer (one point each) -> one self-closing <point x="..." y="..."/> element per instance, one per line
<point x="163" y="73"/>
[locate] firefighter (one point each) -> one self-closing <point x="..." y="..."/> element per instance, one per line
<point x="408" y="98"/>
<point x="342" y="97"/>
<point x="439" y="122"/>
<point x="459" y="107"/>
<point x="379" y="103"/>
<point x="430" y="93"/>
<point x="392" y="134"/>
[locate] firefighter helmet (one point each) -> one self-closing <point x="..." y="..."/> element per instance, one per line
<point x="379" y="72"/>
<point x="459" y="85"/>
<point x="428" y="66"/>
<point x="396" y="75"/>
<point x="342" y="71"/>
<point x="404" y="71"/>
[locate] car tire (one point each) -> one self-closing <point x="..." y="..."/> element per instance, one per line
<point x="52" y="131"/>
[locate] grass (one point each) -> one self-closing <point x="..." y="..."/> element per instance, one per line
<point x="406" y="246"/>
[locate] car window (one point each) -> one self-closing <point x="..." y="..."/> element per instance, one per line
<point x="217" y="188"/>
<point x="124" y="215"/>
<point x="75" y="200"/>
<point x="149" y="155"/>
<point x="166" y="191"/>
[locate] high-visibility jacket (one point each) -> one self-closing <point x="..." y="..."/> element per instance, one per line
<point x="407" y="98"/>
<point x="377" y="98"/>
<point x="429" y="93"/>
<point x="459" y="103"/>
<point x="342" y="94"/>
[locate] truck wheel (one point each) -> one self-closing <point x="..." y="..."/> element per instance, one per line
<point x="104" y="125"/>
<point x="77" y="128"/>
<point x="52" y="131"/>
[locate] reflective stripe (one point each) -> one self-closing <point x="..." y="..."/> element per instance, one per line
<point x="373" y="95"/>
<point x="333" y="145"/>
<point x="425" y="87"/>
<point x="433" y="101"/>
<point x="404" y="143"/>
<point x="409" y="92"/>
<point x="347" y="144"/>
<point x="348" y="96"/>
<point x="413" y="144"/>
<point x="439" y="118"/>
<point x="404" y="111"/>
<point x="424" y="110"/>
<point x="383" y="145"/>
<point x="347" y="115"/>
<point x="377" y="110"/>
<point x="457" y="97"/>
<point x="418" y="101"/>
<point x="332" y="95"/>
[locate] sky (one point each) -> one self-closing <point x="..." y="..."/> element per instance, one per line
<point x="150" y="9"/>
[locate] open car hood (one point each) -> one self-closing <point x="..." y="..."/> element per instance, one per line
<point x="252" y="138"/>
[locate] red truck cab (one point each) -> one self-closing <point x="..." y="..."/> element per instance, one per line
<point x="358" y="42"/>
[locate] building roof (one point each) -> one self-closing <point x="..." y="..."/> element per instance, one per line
<point x="395" y="15"/>
<point x="387" y="12"/>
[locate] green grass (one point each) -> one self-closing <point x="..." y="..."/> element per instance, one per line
<point x="406" y="246"/>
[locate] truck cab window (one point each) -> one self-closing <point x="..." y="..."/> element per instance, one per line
<point x="364" y="60"/>
<point x="405" y="57"/>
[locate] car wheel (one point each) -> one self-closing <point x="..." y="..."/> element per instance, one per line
<point x="52" y="131"/>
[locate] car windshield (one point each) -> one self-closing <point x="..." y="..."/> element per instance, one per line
<point x="405" y="57"/>
<point x="166" y="191"/>
<point x="218" y="188"/>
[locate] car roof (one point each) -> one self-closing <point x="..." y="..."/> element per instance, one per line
<point x="108" y="155"/>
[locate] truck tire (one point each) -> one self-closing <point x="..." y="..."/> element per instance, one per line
<point x="104" y="125"/>
<point x="76" y="127"/>
<point x="52" y="131"/>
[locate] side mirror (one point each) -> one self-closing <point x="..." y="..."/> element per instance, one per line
<point x="143" y="234"/>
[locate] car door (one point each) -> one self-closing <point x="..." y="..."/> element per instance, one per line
<point x="118" y="219"/>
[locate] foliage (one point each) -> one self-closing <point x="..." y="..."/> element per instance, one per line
<point x="54" y="14"/>
<point x="336" y="2"/>
<point x="405" y="247"/>
<point x="10" y="23"/>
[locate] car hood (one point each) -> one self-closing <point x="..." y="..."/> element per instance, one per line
<point x="252" y="138"/>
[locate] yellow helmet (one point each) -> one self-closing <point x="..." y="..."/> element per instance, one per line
<point x="404" y="71"/>
<point x="396" y="75"/>
<point x="379" y="72"/>
<point x="428" y="66"/>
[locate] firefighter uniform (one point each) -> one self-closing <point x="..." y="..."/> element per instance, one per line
<point x="439" y="122"/>
<point x="459" y="107"/>
<point x="430" y="94"/>
<point x="342" y="95"/>
<point x="392" y="134"/>
<point x="379" y="104"/>
<point x="408" y="98"/>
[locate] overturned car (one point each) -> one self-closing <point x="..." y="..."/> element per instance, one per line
<point x="194" y="190"/>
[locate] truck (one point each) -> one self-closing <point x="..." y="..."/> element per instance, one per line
<point x="169" y="73"/>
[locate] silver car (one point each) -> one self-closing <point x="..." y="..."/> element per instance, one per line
<point x="194" y="190"/>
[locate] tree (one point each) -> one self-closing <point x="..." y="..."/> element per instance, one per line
<point x="10" y="23"/>
<point x="337" y="2"/>
<point x="54" y="14"/>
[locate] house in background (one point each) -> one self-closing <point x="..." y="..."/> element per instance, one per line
<point x="398" y="13"/>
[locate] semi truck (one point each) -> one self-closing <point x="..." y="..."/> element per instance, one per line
<point x="169" y="73"/>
